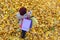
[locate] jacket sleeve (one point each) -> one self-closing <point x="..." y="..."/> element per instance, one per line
<point x="18" y="16"/>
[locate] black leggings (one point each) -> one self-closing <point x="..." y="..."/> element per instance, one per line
<point x="23" y="34"/>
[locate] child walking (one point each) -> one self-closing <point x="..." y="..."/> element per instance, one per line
<point x="21" y="14"/>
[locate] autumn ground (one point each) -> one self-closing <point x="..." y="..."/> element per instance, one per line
<point x="47" y="13"/>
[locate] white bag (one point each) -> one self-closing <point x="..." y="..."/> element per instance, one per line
<point x="26" y="24"/>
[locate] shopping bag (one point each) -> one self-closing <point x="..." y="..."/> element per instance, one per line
<point x="26" y="24"/>
<point x="31" y="24"/>
<point x="34" y="21"/>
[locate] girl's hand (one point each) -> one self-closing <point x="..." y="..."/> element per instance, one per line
<point x="29" y="13"/>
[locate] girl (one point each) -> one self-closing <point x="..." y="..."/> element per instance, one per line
<point x="21" y="15"/>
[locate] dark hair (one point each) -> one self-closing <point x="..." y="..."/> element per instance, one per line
<point x="22" y="10"/>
